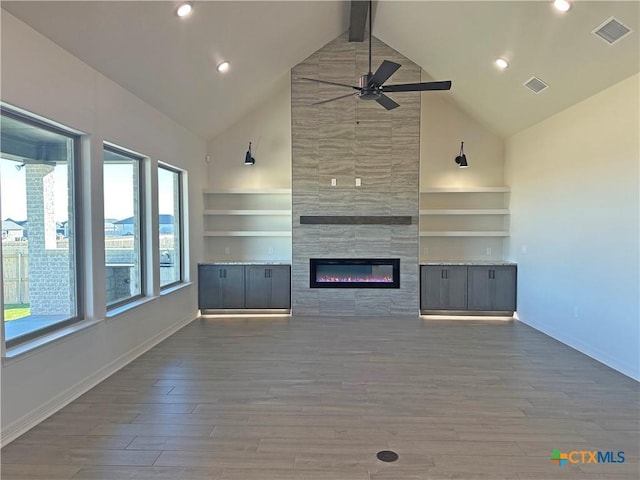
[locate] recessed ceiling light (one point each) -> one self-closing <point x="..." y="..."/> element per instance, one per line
<point x="184" y="9"/>
<point x="223" y="67"/>
<point x="501" y="63"/>
<point x="562" y="5"/>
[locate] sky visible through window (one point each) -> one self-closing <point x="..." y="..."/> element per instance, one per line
<point x="118" y="185"/>
<point x="13" y="191"/>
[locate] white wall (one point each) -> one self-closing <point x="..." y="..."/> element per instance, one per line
<point x="40" y="77"/>
<point x="268" y="127"/>
<point x="443" y="126"/>
<point x="574" y="225"/>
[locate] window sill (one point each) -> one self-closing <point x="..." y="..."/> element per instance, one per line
<point x="175" y="288"/>
<point x="32" y="347"/>
<point x="114" y="312"/>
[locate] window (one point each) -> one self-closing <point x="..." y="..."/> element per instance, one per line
<point x="170" y="210"/>
<point x="40" y="247"/>
<point x="123" y="226"/>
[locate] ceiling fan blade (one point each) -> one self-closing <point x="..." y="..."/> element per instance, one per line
<point x="385" y="70"/>
<point x="336" y="98"/>
<point x="418" y="87"/>
<point x="330" y="83"/>
<point x="386" y="102"/>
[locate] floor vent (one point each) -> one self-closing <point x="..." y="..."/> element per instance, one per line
<point x="535" y="85"/>
<point x="612" y="31"/>
<point x="387" y="456"/>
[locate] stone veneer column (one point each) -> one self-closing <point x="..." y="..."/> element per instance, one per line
<point x="49" y="291"/>
<point x="346" y="139"/>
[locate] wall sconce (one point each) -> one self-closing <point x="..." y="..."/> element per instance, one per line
<point x="248" y="159"/>
<point x="461" y="159"/>
<point x="20" y="167"/>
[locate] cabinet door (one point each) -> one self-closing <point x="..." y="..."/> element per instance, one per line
<point x="504" y="279"/>
<point x="233" y="286"/>
<point x="456" y="282"/>
<point x="492" y="288"/>
<point x="480" y="288"/>
<point x="268" y="286"/>
<point x="209" y="286"/>
<point x="280" y="276"/>
<point x="443" y="287"/>
<point x="257" y="287"/>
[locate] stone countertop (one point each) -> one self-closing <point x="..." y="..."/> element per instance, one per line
<point x="244" y="263"/>
<point x="471" y="263"/>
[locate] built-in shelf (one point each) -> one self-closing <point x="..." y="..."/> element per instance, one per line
<point x="247" y="223"/>
<point x="465" y="190"/>
<point x="461" y="233"/>
<point x="467" y="211"/>
<point x="467" y="221"/>
<point x="247" y="212"/>
<point x="247" y="233"/>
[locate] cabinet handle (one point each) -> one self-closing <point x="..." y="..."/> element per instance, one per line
<point x="266" y="273"/>
<point x="225" y="273"/>
<point x="220" y="273"/>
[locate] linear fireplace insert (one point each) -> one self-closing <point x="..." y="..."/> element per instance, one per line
<point x="354" y="272"/>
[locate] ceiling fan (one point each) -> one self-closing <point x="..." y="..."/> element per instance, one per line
<point x="371" y="86"/>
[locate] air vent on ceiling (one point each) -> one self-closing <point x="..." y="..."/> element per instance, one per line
<point x="535" y="85"/>
<point x="611" y="31"/>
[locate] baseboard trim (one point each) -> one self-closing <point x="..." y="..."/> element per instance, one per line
<point x="588" y="350"/>
<point x="41" y="413"/>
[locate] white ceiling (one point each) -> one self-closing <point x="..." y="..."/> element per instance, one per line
<point x="171" y="62"/>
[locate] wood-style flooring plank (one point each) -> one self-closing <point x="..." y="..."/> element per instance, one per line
<point x="315" y="398"/>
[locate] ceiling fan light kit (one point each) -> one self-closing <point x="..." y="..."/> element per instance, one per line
<point x="371" y="86"/>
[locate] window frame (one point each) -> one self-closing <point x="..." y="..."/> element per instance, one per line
<point x="181" y="234"/>
<point x="76" y="253"/>
<point x="140" y="159"/>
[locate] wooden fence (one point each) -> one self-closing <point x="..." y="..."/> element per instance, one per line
<point x="15" y="268"/>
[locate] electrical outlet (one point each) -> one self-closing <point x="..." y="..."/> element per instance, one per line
<point x="226" y="250"/>
<point x="270" y="251"/>
<point x="488" y="251"/>
<point x="524" y="249"/>
<point x="334" y="182"/>
<point x="358" y="182"/>
<point x="425" y="251"/>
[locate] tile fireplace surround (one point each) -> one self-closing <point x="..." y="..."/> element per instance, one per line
<point x="345" y="140"/>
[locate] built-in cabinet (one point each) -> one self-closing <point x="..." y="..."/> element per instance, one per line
<point x="468" y="288"/>
<point x="244" y="286"/>
<point x="491" y="288"/>
<point x="443" y="287"/>
<point x="268" y="286"/>
<point x="220" y="286"/>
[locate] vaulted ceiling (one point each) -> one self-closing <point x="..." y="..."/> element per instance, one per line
<point x="170" y="62"/>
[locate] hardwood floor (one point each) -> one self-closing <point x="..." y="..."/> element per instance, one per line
<point x="316" y="398"/>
